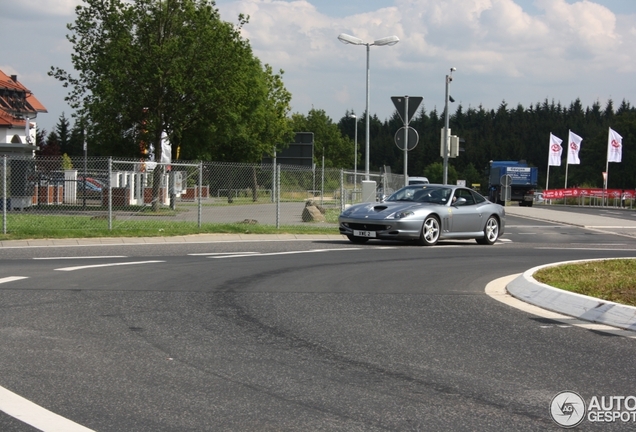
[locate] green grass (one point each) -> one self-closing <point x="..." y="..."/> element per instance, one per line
<point x="613" y="280"/>
<point x="34" y="226"/>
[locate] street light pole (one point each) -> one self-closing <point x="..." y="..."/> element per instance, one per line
<point x="348" y="39"/>
<point x="449" y="78"/>
<point x="355" y="152"/>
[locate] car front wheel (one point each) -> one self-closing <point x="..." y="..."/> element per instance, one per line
<point x="491" y="232"/>
<point x="430" y="231"/>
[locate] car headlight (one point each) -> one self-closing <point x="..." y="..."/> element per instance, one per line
<point x="401" y="215"/>
<point x="345" y="213"/>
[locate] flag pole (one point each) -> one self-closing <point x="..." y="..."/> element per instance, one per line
<point x="567" y="162"/>
<point x="606" y="179"/>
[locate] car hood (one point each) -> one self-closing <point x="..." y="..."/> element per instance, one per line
<point x="380" y="210"/>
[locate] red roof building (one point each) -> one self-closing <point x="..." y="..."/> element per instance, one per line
<point x="17" y="107"/>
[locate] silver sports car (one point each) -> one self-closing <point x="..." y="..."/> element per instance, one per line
<point x="426" y="213"/>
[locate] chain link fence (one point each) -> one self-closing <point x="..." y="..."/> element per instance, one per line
<point x="49" y="194"/>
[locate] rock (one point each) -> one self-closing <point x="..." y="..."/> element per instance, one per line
<point x="312" y="214"/>
<point x="312" y="203"/>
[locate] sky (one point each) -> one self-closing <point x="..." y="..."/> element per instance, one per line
<point x="513" y="51"/>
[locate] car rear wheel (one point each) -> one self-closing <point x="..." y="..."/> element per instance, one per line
<point x="491" y="232"/>
<point x="357" y="240"/>
<point x="430" y="231"/>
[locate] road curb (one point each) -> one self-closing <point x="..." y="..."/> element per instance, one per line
<point x="526" y="288"/>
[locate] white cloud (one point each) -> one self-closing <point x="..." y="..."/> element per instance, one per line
<point x="520" y="51"/>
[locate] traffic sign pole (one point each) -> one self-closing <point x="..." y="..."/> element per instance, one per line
<point x="406" y="143"/>
<point x="406" y="113"/>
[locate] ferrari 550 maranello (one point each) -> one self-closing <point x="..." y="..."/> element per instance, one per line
<point x="426" y="214"/>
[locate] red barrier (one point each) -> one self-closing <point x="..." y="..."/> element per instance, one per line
<point x="587" y="192"/>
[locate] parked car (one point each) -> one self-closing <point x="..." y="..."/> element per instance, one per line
<point x="91" y="182"/>
<point x="88" y="185"/>
<point x="426" y="214"/>
<point x="418" y="180"/>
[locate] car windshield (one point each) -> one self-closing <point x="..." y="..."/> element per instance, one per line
<point x="423" y="194"/>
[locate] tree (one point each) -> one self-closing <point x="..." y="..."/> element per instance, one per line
<point x="63" y="133"/>
<point x="329" y="141"/>
<point x="149" y="66"/>
<point x="48" y="145"/>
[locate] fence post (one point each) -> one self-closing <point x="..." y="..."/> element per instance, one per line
<point x="4" y="194"/>
<point x="322" y="185"/>
<point x="342" y="190"/>
<point x="200" y="187"/>
<point x="110" y="194"/>
<point x="277" y="183"/>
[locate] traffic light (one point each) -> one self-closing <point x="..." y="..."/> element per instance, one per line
<point x="453" y="144"/>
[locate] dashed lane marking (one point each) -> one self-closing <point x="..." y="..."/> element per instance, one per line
<point x="12" y="278"/>
<point x="81" y="257"/>
<point x="221" y="253"/>
<point x="284" y="253"/>
<point x="106" y="265"/>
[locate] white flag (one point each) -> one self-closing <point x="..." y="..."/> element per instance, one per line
<point x="574" y="146"/>
<point x="614" y="146"/>
<point x="166" y="148"/>
<point x="555" y="151"/>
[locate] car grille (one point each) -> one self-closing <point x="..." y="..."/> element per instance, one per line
<point x="368" y="227"/>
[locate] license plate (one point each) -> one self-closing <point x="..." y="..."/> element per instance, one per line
<point x="363" y="233"/>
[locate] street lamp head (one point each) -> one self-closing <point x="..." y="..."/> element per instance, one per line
<point x="453" y="69"/>
<point x="389" y="40"/>
<point x="348" y="39"/>
<point x="352" y="116"/>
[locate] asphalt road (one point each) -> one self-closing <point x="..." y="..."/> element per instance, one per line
<point x="299" y="335"/>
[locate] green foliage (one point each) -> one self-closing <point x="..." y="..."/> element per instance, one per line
<point x="435" y="173"/>
<point x="328" y="139"/>
<point x="149" y="66"/>
<point x="63" y="134"/>
<point x="511" y="133"/>
<point x="67" y="164"/>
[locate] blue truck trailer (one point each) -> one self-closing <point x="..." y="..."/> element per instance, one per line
<point x="512" y="181"/>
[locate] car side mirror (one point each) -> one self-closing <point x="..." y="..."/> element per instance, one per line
<point x="460" y="201"/>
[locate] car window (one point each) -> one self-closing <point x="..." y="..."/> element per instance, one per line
<point x="466" y="194"/>
<point x="424" y="193"/>
<point x="478" y="198"/>
<point x="432" y="195"/>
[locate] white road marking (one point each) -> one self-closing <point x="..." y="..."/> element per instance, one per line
<point x="534" y="226"/>
<point x="12" y="278"/>
<point x="285" y="253"/>
<point x="588" y="249"/>
<point x="40" y="418"/>
<point x="602" y="244"/>
<point x="221" y="253"/>
<point x="81" y="257"/>
<point x="106" y="265"/>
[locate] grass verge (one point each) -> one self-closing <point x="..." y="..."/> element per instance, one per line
<point x="613" y="280"/>
<point x="31" y="226"/>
